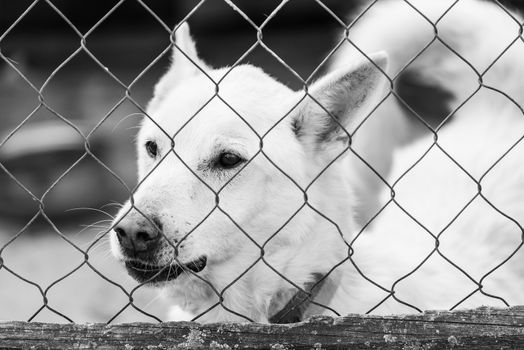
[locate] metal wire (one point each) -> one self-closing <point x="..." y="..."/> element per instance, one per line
<point x="258" y="32"/>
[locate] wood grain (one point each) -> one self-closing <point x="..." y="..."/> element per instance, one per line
<point x="482" y="328"/>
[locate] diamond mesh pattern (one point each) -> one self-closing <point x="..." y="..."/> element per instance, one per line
<point x="126" y="97"/>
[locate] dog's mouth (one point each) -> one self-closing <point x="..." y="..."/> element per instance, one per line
<point x="148" y="273"/>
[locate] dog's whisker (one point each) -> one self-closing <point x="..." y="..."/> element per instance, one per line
<point x="98" y="239"/>
<point x="92" y="209"/>
<point x="169" y="270"/>
<point x="96" y="249"/>
<point x="104" y="233"/>
<point x="97" y="223"/>
<point x="104" y="245"/>
<point x="112" y="204"/>
<point x="137" y="114"/>
<point x="94" y="225"/>
<point x="155" y="298"/>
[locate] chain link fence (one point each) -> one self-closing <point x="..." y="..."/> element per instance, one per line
<point x="69" y="133"/>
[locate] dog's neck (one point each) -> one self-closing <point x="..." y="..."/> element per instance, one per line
<point x="300" y="302"/>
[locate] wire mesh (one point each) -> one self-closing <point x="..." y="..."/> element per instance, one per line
<point x="258" y="32"/>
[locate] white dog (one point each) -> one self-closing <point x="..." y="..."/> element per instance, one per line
<point x="248" y="190"/>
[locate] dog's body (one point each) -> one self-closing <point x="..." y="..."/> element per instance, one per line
<point x="260" y="196"/>
<point x="436" y="190"/>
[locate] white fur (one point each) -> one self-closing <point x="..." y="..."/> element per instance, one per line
<point x="436" y="190"/>
<point x="265" y="193"/>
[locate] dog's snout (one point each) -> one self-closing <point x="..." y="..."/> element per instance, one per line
<point x="137" y="237"/>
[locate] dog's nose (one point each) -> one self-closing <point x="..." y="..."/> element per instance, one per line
<point x="136" y="238"/>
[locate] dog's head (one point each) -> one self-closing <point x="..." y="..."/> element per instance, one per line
<point x="225" y="159"/>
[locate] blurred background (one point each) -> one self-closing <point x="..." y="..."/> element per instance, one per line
<point x="83" y="106"/>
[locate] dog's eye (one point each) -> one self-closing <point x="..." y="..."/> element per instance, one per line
<point x="152" y="149"/>
<point x="229" y="160"/>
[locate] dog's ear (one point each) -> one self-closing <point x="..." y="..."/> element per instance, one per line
<point x="339" y="101"/>
<point x="184" y="63"/>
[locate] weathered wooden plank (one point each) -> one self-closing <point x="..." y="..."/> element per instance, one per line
<point x="483" y="328"/>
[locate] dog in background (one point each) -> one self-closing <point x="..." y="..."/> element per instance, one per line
<point x="249" y="191"/>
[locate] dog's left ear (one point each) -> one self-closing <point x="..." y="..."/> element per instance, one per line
<point x="185" y="63"/>
<point x="339" y="101"/>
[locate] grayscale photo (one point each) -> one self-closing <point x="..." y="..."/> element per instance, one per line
<point x="282" y="174"/>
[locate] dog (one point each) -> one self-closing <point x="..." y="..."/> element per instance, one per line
<point x="249" y="192"/>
